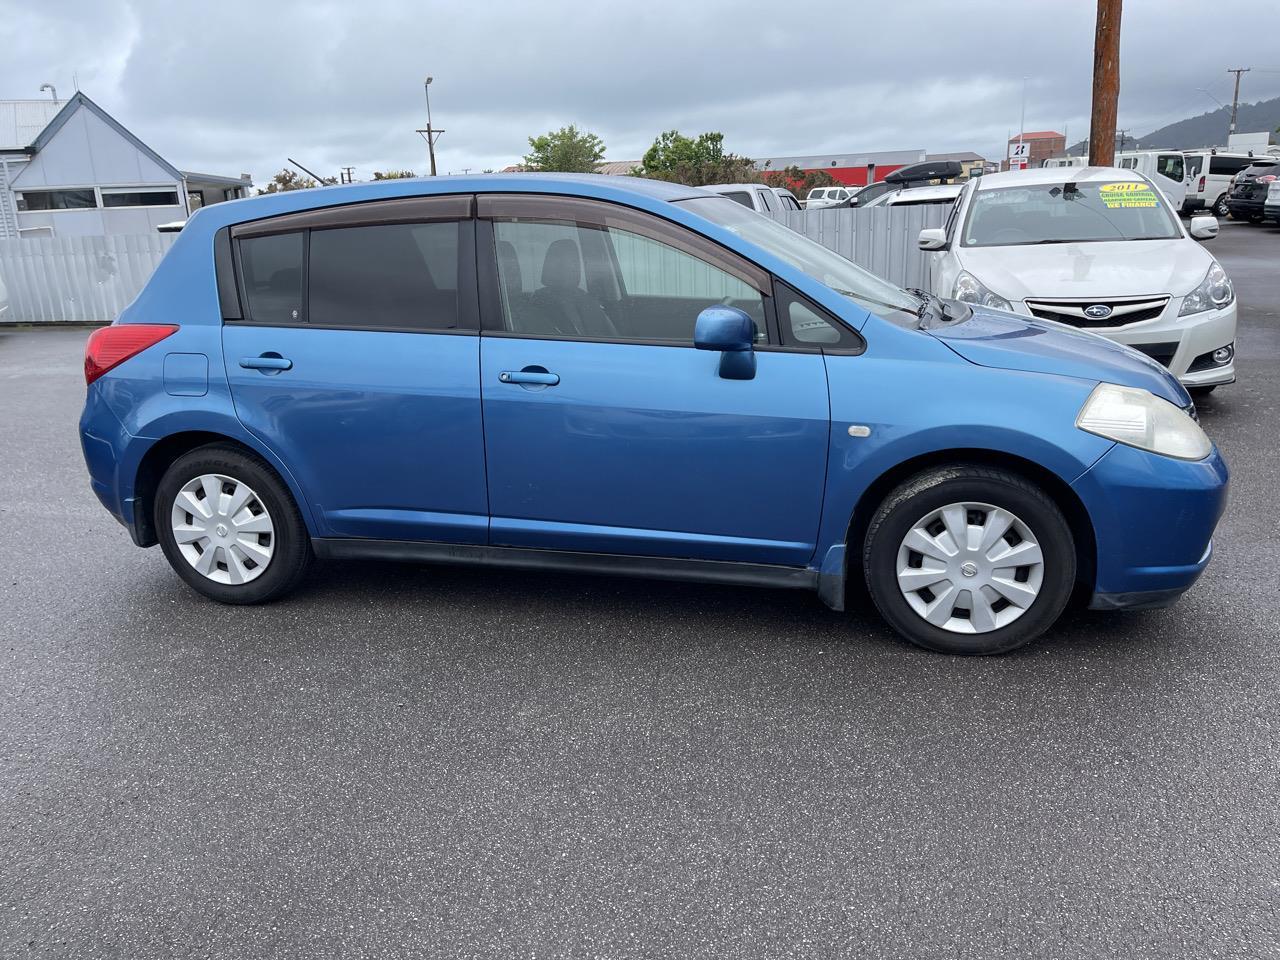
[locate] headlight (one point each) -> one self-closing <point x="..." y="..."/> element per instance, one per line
<point x="1141" y="419"/>
<point x="1214" y="293"/>
<point x="970" y="289"/>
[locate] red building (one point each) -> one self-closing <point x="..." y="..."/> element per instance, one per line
<point x="1041" y="145"/>
<point x="857" y="169"/>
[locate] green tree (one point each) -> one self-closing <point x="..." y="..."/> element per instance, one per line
<point x="393" y="174"/>
<point x="798" y="181"/>
<point x="288" y="179"/>
<point x="567" y="150"/>
<point x="695" y="162"/>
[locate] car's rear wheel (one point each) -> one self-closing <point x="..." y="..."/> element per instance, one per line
<point x="229" y="527"/>
<point x="969" y="560"/>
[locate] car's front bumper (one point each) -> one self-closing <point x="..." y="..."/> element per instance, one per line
<point x="1153" y="521"/>
<point x="1183" y="344"/>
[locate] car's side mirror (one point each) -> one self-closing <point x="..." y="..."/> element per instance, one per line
<point x="731" y="332"/>
<point x="932" y="238"/>
<point x="1204" y="228"/>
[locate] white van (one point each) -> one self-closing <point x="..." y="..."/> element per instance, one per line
<point x="1209" y="176"/>
<point x="1167" y="169"/>
<point x="820" y="197"/>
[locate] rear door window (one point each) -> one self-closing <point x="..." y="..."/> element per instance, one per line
<point x="402" y="276"/>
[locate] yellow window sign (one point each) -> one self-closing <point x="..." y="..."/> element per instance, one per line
<point x="1120" y="195"/>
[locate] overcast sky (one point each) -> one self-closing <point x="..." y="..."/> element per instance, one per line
<point x="237" y="86"/>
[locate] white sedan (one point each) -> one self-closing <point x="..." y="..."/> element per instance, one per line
<point x="1097" y="248"/>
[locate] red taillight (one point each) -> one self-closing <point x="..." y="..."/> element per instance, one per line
<point x="1266" y="178"/>
<point x="112" y="346"/>
<point x="1200" y="189"/>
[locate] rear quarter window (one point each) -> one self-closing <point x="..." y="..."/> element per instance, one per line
<point x="271" y="268"/>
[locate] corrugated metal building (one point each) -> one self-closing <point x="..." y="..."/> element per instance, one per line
<point x="69" y="169"/>
<point x="857" y="169"/>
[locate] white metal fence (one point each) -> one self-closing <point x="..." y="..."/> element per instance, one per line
<point x="881" y="239"/>
<point x="94" y="278"/>
<point x="76" y="278"/>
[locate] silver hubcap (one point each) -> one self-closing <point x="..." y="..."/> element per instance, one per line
<point x="970" y="567"/>
<point x="223" y="529"/>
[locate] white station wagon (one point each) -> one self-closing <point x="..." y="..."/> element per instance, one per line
<point x="1097" y="248"/>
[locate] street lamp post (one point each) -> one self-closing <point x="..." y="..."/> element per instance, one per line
<point x="431" y="133"/>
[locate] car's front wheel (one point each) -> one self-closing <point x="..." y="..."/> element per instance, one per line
<point x="229" y="527"/>
<point x="969" y="560"/>
<point x="1221" y="209"/>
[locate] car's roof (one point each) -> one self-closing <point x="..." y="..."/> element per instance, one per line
<point x="715" y="187"/>
<point x="942" y="191"/>
<point x="621" y="189"/>
<point x="1039" y="175"/>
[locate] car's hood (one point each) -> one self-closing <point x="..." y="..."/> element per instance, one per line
<point x="1123" y="268"/>
<point x="994" y="338"/>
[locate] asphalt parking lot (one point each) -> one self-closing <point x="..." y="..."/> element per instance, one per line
<point x="416" y="761"/>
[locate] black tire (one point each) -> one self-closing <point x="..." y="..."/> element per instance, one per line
<point x="291" y="543"/>
<point x="1220" y="208"/>
<point x="1255" y="218"/>
<point x="937" y="488"/>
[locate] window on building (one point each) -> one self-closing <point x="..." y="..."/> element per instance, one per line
<point x="139" y="197"/>
<point x="34" y="200"/>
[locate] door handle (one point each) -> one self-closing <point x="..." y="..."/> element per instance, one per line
<point x="529" y="376"/>
<point x="268" y="361"/>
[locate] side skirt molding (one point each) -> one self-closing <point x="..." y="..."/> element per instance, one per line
<point x="660" y="568"/>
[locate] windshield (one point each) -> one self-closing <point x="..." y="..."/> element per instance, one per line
<point x="1068" y="213"/>
<point x="826" y="266"/>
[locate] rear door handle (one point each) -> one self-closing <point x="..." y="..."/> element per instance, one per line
<point x="529" y="376"/>
<point x="266" y="362"/>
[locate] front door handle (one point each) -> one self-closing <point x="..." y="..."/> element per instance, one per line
<point x="529" y="376"/>
<point x="268" y="361"/>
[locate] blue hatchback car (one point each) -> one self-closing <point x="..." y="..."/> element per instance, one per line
<point x="605" y="374"/>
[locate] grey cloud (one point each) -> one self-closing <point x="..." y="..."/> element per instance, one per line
<point x="244" y="85"/>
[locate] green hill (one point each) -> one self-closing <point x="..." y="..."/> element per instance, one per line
<point x="1208" y="129"/>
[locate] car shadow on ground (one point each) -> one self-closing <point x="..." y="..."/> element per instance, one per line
<point x="557" y="601"/>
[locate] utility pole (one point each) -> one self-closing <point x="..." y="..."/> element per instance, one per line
<point x="431" y="134"/>
<point x="1124" y="138"/>
<point x="346" y="175"/>
<point x="1235" y="98"/>
<point x="1106" y="85"/>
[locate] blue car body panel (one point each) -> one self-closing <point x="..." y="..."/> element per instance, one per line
<point x="646" y="450"/>
<point x="1153" y="518"/>
<point x="639" y="449"/>
<point x="383" y="428"/>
